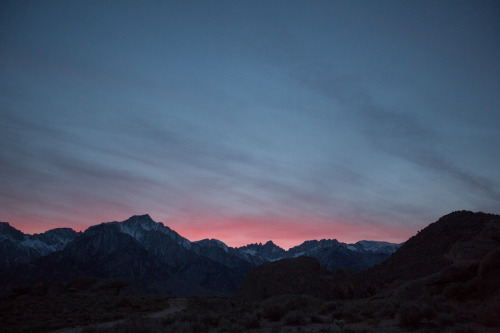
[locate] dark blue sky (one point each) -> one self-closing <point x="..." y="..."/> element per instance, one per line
<point x="249" y="121"/>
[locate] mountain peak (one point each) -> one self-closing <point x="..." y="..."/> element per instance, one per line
<point x="138" y="226"/>
<point x="138" y="223"/>
<point x="145" y="218"/>
<point x="9" y="232"/>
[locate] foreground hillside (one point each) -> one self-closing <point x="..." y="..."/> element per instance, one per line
<point x="445" y="276"/>
<point x="444" y="279"/>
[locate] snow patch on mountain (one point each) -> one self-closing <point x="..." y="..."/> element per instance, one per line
<point x="212" y="243"/>
<point x="138" y="225"/>
<point x="374" y="246"/>
<point x="38" y="245"/>
<point x="298" y="254"/>
<point x="249" y="251"/>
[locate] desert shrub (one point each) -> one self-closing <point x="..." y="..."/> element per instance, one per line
<point x="373" y="322"/>
<point x="234" y="328"/>
<point x="135" y="324"/>
<point x="488" y="272"/>
<point x="317" y="319"/>
<point x="297" y="302"/>
<point x="132" y="324"/>
<point x="22" y="290"/>
<point x="168" y="320"/>
<point x="464" y="330"/>
<point x="352" y="313"/>
<point x="489" y="314"/>
<point x="357" y="330"/>
<point x="411" y="315"/>
<point x="210" y="319"/>
<point x="185" y="327"/>
<point x="338" y="314"/>
<point x="445" y="319"/>
<point x="327" y="308"/>
<point x="187" y="317"/>
<point x="274" y="312"/>
<point x="251" y="321"/>
<point x="461" y="291"/>
<point x="387" y="311"/>
<point x="123" y="302"/>
<point x="198" y="327"/>
<point x="295" y="318"/>
<point x="275" y="329"/>
<point x="368" y="311"/>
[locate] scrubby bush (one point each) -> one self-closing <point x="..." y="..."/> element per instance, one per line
<point x="317" y="319"/>
<point x="461" y="291"/>
<point x="411" y="316"/>
<point x="328" y="308"/>
<point x="295" y="318"/>
<point x="168" y="320"/>
<point x="445" y="319"/>
<point x="464" y="330"/>
<point x="489" y="315"/>
<point x="387" y="311"/>
<point x="352" y="313"/>
<point x="123" y="302"/>
<point x="274" y="311"/>
<point x="250" y="321"/>
<point x="210" y="319"/>
<point x="198" y="327"/>
<point x="368" y="311"/>
<point x="234" y="328"/>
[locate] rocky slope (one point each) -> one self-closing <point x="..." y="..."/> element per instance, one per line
<point x="17" y="248"/>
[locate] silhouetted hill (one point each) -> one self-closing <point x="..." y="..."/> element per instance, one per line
<point x="459" y="236"/>
<point x="302" y="275"/>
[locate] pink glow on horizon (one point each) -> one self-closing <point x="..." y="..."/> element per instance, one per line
<point x="285" y="232"/>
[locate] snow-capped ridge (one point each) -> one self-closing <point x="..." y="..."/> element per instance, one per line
<point x="168" y="245"/>
<point x="138" y="226"/>
<point x="37" y="244"/>
<point x="212" y="242"/>
<point x="374" y="246"/>
<point x="9" y="232"/>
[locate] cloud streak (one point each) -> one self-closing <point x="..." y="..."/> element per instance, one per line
<point x="299" y="119"/>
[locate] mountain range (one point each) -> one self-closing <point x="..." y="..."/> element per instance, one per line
<point x="443" y="279"/>
<point x="152" y="258"/>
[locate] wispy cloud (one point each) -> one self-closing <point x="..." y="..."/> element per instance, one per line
<point x="245" y="114"/>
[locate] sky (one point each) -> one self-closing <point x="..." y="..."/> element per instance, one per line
<point x="247" y="121"/>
